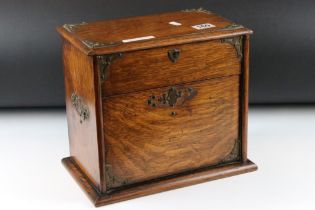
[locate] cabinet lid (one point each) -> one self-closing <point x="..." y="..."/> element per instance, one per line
<point x="134" y="33"/>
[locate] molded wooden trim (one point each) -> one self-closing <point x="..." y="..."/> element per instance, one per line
<point x="194" y="177"/>
<point x="142" y="45"/>
<point x="244" y="93"/>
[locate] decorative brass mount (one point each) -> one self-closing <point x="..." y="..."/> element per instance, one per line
<point x="73" y="27"/>
<point x="80" y="107"/>
<point x="198" y="10"/>
<point x="235" y="154"/>
<point x="94" y="44"/>
<point x="174" y="96"/>
<point x="173" y="55"/>
<point x="232" y="26"/>
<point x="104" y="62"/>
<point x="89" y="43"/>
<point x="237" y="43"/>
<point x="111" y="179"/>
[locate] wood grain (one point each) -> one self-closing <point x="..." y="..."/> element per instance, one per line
<point x="196" y="177"/>
<point x="112" y="32"/>
<point x="79" y="79"/>
<point x="156" y="124"/>
<point x="145" y="143"/>
<point x="147" y="69"/>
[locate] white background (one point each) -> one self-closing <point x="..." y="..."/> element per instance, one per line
<point x="281" y="143"/>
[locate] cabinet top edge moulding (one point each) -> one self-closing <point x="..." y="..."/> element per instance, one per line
<point x="143" y="32"/>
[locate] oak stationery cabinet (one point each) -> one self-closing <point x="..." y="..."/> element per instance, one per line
<point x="155" y="102"/>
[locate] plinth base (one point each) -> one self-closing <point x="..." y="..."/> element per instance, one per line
<point x="195" y="177"/>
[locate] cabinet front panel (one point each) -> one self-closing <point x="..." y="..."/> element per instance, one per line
<point x="165" y="131"/>
<point x="152" y="68"/>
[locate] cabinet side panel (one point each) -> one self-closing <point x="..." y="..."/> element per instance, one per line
<point x="80" y="100"/>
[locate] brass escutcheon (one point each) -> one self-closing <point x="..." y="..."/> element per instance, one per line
<point x="173" y="55"/>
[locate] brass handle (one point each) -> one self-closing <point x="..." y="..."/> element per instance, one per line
<point x="173" y="55"/>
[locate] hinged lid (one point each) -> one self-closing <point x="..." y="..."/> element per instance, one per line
<point x="103" y="37"/>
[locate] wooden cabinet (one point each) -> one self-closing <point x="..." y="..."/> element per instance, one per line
<point x="155" y="102"/>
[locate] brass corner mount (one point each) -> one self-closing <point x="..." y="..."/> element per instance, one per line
<point x="237" y="43"/>
<point x="202" y="10"/>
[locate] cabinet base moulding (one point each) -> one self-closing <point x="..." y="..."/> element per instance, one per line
<point x="154" y="186"/>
